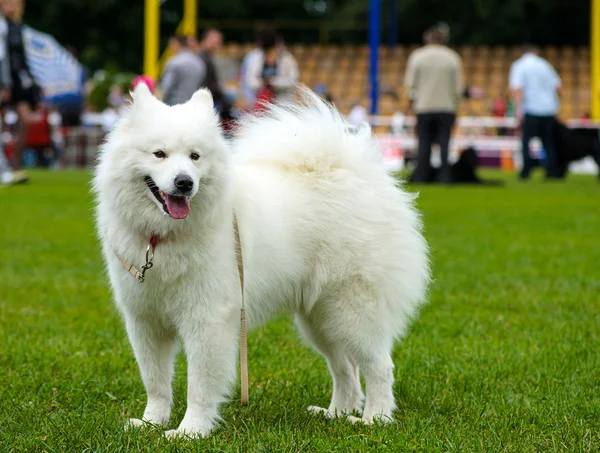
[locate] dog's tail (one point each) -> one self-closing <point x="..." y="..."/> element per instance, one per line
<point x="311" y="137"/>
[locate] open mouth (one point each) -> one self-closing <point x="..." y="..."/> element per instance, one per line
<point x="177" y="206"/>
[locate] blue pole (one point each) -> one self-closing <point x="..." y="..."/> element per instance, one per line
<point x="374" y="36"/>
<point x="393" y="24"/>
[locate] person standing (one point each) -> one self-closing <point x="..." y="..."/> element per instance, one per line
<point x="6" y="171"/>
<point x="183" y="74"/>
<point x="273" y="73"/>
<point x="5" y="76"/>
<point x="434" y="79"/>
<point x="211" y="42"/>
<point x="535" y="87"/>
<point x="25" y="94"/>
<point x="248" y="93"/>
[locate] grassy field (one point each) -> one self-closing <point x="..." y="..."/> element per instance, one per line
<point x="504" y="358"/>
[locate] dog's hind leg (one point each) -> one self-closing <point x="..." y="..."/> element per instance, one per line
<point x="377" y="369"/>
<point x="369" y="340"/>
<point x="351" y="315"/>
<point x="347" y="395"/>
<point x="154" y="349"/>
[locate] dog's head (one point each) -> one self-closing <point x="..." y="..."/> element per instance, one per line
<point x="160" y="163"/>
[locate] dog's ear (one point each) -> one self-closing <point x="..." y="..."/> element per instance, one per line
<point x="202" y="97"/>
<point x="141" y="95"/>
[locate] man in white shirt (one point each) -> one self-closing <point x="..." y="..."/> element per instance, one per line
<point x="358" y="115"/>
<point x="248" y="61"/>
<point x="536" y="87"/>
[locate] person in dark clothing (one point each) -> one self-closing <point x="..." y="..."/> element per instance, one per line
<point x="210" y="43"/>
<point x="25" y="94"/>
<point x="24" y="88"/>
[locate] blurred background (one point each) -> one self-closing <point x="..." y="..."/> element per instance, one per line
<point x="85" y="55"/>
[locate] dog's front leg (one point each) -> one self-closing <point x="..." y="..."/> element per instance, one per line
<point x="211" y="350"/>
<point x="155" y="349"/>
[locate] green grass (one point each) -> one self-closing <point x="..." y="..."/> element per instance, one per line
<point x="504" y="358"/>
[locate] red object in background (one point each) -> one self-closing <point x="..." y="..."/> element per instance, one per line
<point x="500" y="108"/>
<point x="149" y="81"/>
<point x="228" y="124"/>
<point x="39" y="133"/>
<point x="9" y="149"/>
<point x="264" y="97"/>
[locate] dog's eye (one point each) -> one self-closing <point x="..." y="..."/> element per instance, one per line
<point x="194" y="156"/>
<point x="160" y="154"/>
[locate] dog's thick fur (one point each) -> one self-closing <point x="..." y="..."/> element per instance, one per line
<point x="326" y="235"/>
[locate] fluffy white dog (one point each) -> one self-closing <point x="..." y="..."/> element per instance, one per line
<point x="326" y="235"/>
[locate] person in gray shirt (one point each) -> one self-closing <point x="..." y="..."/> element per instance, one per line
<point x="183" y="75"/>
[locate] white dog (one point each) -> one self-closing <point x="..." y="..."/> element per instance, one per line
<point x="326" y="235"/>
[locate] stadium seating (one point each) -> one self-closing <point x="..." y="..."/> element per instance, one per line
<point x="344" y="69"/>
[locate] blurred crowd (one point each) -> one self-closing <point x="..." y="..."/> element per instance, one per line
<point x="268" y="73"/>
<point x="31" y="126"/>
<point x="434" y="79"/>
<point x="32" y="129"/>
<point x="33" y="132"/>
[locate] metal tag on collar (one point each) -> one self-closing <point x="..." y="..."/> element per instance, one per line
<point x="149" y="257"/>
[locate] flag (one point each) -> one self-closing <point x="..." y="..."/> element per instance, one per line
<point x="54" y="69"/>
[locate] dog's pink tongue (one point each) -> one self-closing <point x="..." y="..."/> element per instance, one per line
<point x="178" y="207"/>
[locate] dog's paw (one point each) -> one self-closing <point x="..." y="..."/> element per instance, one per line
<point x="383" y="419"/>
<point x="365" y="421"/>
<point x="134" y="423"/>
<point x="191" y="429"/>
<point x="329" y="413"/>
<point x="184" y="434"/>
<point x="319" y="410"/>
<point x="174" y="434"/>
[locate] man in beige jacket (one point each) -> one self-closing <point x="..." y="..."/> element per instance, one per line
<point x="434" y="80"/>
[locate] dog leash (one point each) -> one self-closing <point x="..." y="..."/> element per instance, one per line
<point x="140" y="277"/>
<point x="243" y="340"/>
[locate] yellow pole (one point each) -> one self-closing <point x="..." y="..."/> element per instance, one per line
<point x="151" y="37"/>
<point x="190" y="12"/>
<point x="595" y="59"/>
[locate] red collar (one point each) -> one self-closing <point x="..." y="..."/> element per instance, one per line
<point x="154" y="240"/>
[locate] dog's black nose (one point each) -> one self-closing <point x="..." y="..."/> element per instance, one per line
<point x="184" y="183"/>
